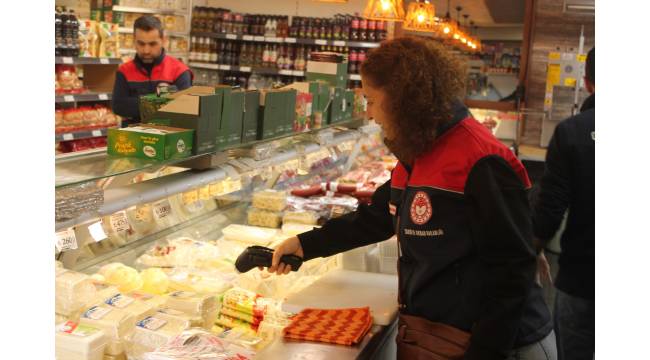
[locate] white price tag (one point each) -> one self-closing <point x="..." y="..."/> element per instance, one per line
<point x="67" y="137"/>
<point x="231" y="36"/>
<point x="151" y="323"/>
<point x="162" y="209"/>
<point x="66" y="240"/>
<point x="259" y="38"/>
<point x="298" y="73"/>
<point x="103" y="96"/>
<point x="103" y="61"/>
<point x="290" y="40"/>
<point x="247" y="38"/>
<point x="67" y="60"/>
<point x="339" y="43"/>
<point x="273" y="39"/>
<point x="97" y="231"/>
<point x="245" y="69"/>
<point x="97" y="133"/>
<point x="68" y="98"/>
<point x="320" y="42"/>
<point x="119" y="221"/>
<point x="285" y="72"/>
<point x="224" y="67"/>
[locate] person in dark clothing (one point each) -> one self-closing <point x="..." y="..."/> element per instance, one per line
<point x="150" y="67"/>
<point x="457" y="202"/>
<point x="568" y="183"/>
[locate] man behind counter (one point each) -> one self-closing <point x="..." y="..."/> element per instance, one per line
<point x="150" y="68"/>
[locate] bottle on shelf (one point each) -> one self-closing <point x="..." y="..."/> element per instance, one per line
<point x="352" y="62"/>
<point x="372" y="31"/>
<point x="214" y="56"/>
<point x="354" y="29"/>
<point x="363" y="29"/>
<point x="266" y="56"/>
<point x="58" y="32"/>
<point x="192" y="56"/>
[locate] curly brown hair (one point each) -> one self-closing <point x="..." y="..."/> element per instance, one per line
<point x="422" y="81"/>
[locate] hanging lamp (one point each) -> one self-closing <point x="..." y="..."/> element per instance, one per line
<point x="464" y="36"/>
<point x="385" y="10"/>
<point x="458" y="33"/>
<point x="420" y="16"/>
<point x="446" y="26"/>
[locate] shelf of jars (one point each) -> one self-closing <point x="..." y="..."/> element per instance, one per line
<point x="285" y="40"/>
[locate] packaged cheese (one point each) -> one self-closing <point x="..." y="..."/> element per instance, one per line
<point x="192" y="320"/>
<point x="154" y="281"/>
<point x="195" y="304"/>
<point x="141" y="219"/>
<point x="137" y="309"/>
<point x="79" y="342"/>
<point x="182" y="280"/>
<point x="73" y="291"/>
<point x="124" y="277"/>
<point x="103" y="291"/>
<point x="291" y="229"/>
<point x="153" y="332"/>
<point x="249" y="234"/>
<point x="244" y="301"/>
<point x="153" y="300"/>
<point x="272" y="200"/>
<point x="115" y="323"/>
<point x="300" y="217"/>
<point x="264" y="218"/>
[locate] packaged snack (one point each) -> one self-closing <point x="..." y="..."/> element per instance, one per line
<point x="249" y="234"/>
<point x="244" y="301"/>
<point x="73" y="291"/>
<point x="231" y="322"/>
<point x="300" y="217"/>
<point x="79" y="342"/>
<point x="115" y="323"/>
<point x="152" y="332"/>
<point x="264" y="218"/>
<point x="109" y="45"/>
<point x="270" y="200"/>
<point x="88" y="38"/>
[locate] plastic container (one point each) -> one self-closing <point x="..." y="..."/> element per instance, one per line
<point x="249" y="234"/>
<point x="73" y="291"/>
<point x="272" y="200"/>
<point x="264" y="218"/>
<point x="152" y="332"/>
<point x="115" y="323"/>
<point x="79" y="342"/>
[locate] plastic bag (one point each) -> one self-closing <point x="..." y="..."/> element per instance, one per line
<point x="109" y="45"/>
<point x="195" y="344"/>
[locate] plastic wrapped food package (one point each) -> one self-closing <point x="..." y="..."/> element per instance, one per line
<point x="154" y="281"/>
<point x="103" y="290"/>
<point x="204" y="305"/>
<point x="153" y="300"/>
<point x="249" y="234"/>
<point x="73" y="291"/>
<point x="292" y="229"/>
<point x="117" y="325"/>
<point x="306" y="217"/>
<point x="141" y="219"/>
<point x="117" y="228"/>
<point x="152" y="332"/>
<point x="183" y="280"/>
<point x="182" y="252"/>
<point x="137" y="309"/>
<point x="199" y="344"/>
<point x="234" y="323"/>
<point x="79" y="342"/>
<point x="272" y="200"/>
<point x="245" y="301"/>
<point x="124" y="277"/>
<point x="264" y="218"/>
<point x="109" y="45"/>
<point x="192" y="320"/>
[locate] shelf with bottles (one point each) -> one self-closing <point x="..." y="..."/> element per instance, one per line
<point x="127" y="30"/>
<point x="142" y="10"/>
<point x="286" y="40"/>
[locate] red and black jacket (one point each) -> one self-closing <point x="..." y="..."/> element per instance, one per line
<point x="136" y="78"/>
<point x="466" y="239"/>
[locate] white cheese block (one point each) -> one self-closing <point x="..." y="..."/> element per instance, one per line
<point x="79" y="342"/>
<point x="249" y="234"/>
<point x="152" y="332"/>
<point x="116" y="323"/>
<point x="73" y="291"/>
<point x="136" y="308"/>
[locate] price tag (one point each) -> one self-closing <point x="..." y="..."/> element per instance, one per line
<point x="247" y="38"/>
<point x="103" y="61"/>
<point x="68" y="98"/>
<point x="151" y="323"/>
<point x="103" y="96"/>
<point x="245" y="69"/>
<point x="67" y="137"/>
<point x="224" y="67"/>
<point x="298" y="73"/>
<point x="67" y="60"/>
<point x="162" y="209"/>
<point x="339" y="43"/>
<point x="231" y="36"/>
<point x="285" y="72"/>
<point x="96" y="133"/>
<point x="273" y="39"/>
<point x="66" y="240"/>
<point x="96" y="312"/>
<point x="321" y="42"/>
<point x="119" y="221"/>
<point x="97" y="231"/>
<point x="259" y="38"/>
<point x="290" y="40"/>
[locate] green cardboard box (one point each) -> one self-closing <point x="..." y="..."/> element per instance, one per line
<point x="198" y="108"/>
<point x="149" y="105"/>
<point x="229" y="128"/>
<point x="277" y="112"/>
<point x="251" y="116"/>
<point x="150" y="142"/>
<point x="338" y="105"/>
<point x="348" y="112"/>
<point x="336" y="74"/>
<point x="289" y="112"/>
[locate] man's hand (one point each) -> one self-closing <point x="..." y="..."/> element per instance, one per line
<point x="543" y="275"/>
<point x="290" y="246"/>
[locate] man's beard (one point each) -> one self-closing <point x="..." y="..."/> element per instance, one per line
<point x="402" y="151"/>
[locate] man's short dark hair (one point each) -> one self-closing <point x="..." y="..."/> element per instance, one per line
<point x="148" y="23"/>
<point x="590" y="66"/>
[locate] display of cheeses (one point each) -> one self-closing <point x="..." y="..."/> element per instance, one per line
<point x="272" y="200"/>
<point x="196" y="304"/>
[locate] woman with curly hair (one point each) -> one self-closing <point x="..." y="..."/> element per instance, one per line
<point x="457" y="202"/>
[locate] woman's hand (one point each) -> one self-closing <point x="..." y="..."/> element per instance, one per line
<point x="290" y="246"/>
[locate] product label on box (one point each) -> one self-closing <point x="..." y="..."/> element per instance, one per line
<point x="96" y="312"/>
<point x="120" y="301"/>
<point x="119" y="222"/>
<point x="182" y="294"/>
<point x="73" y="328"/>
<point x="162" y="209"/>
<point x="140" y="296"/>
<point x="66" y="240"/>
<point x="151" y="323"/>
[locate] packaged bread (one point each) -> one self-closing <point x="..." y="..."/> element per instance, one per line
<point x="79" y="342"/>
<point x="152" y="332"/>
<point x="306" y="217"/>
<point x="249" y="234"/>
<point x="115" y="323"/>
<point x="88" y="38"/>
<point x="272" y="200"/>
<point x="73" y="291"/>
<point x="264" y="218"/>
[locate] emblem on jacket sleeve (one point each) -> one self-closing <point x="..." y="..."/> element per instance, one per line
<point x="421" y="208"/>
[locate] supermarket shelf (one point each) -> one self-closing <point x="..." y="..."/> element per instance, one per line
<point x="130" y="9"/>
<point x="126" y="30"/>
<point x="288" y="40"/>
<point x="86" y="60"/>
<point x="247" y="69"/>
<point x="85" y="134"/>
<point x="90" y="96"/>
<point x="81" y="169"/>
<point x="176" y="54"/>
<point x="78" y="154"/>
